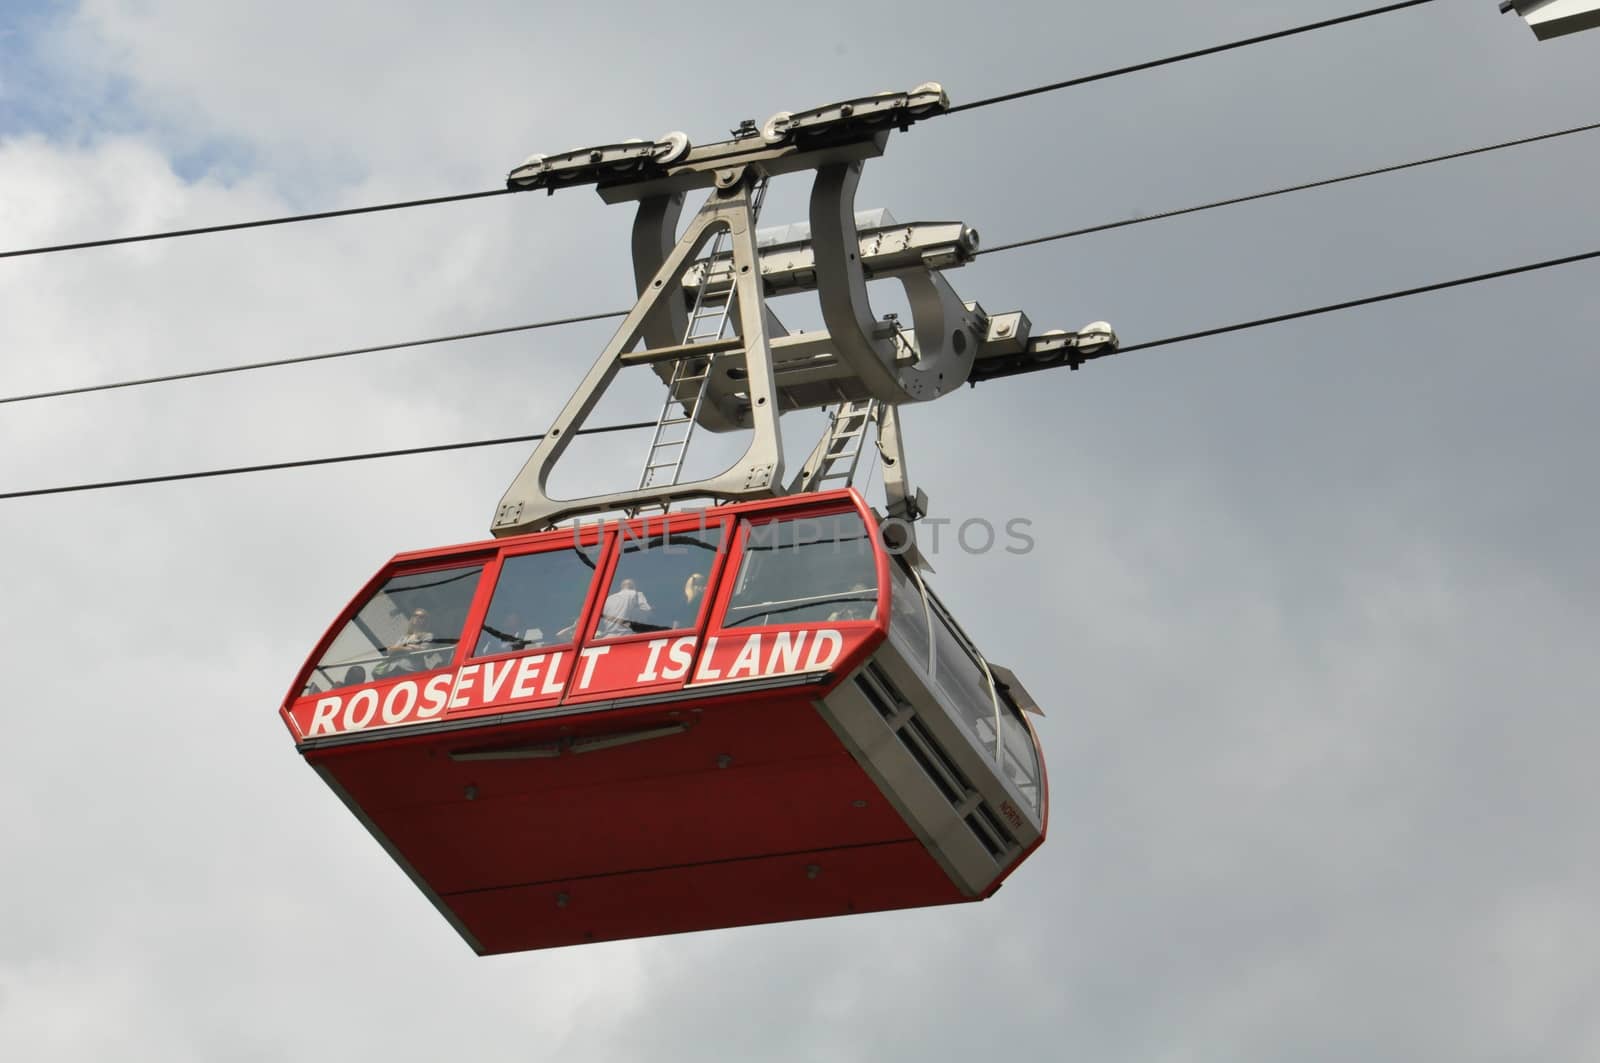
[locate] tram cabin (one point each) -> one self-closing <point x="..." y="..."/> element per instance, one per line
<point x="711" y="718"/>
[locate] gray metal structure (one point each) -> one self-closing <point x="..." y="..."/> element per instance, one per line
<point x="1555" y="18"/>
<point x="720" y="272"/>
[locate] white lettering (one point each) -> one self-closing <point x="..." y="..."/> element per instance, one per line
<point x="682" y="656"/>
<point x="322" y="717"/>
<point x="492" y="684"/>
<point x="705" y="671"/>
<point x="464" y="678"/>
<point x="527" y="675"/>
<point x="552" y="678"/>
<point x="393" y="713"/>
<point x="435" y="695"/>
<point x="786" y="647"/>
<point x="649" y="673"/>
<point x="589" y="655"/>
<point x="749" y="659"/>
<point x="369" y="696"/>
<point x="817" y="659"/>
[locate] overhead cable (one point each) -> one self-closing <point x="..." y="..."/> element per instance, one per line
<point x="973" y="105"/>
<point x="259" y="223"/>
<point x="1233" y="200"/>
<point x="1147" y="345"/>
<point x="1169" y="60"/>
<point x="1365" y="301"/>
<point x="305" y="463"/>
<point x="85" y="389"/>
<point x="298" y="359"/>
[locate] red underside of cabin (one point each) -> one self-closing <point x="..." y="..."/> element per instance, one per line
<point x="755" y="813"/>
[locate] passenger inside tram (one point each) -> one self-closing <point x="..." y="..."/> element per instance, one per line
<point x="694" y="588"/>
<point x="537" y="600"/>
<point x="626" y="612"/>
<point x="659" y="584"/>
<point x="411" y="624"/>
<point x="862" y="605"/>
<point x="507" y="634"/>
<point x="418" y="649"/>
<point x="810" y="571"/>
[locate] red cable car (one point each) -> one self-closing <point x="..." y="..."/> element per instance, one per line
<point x="714" y="718"/>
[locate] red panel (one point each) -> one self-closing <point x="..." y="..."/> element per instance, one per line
<point x="753" y="730"/>
<point x="747" y="780"/>
<point x="673" y="900"/>
<point x="687" y="819"/>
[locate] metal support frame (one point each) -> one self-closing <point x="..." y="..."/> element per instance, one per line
<point x="527" y="506"/>
<point x="1555" y="18"/>
<point x="864" y="366"/>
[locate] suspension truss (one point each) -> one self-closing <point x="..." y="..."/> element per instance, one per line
<point x="703" y="325"/>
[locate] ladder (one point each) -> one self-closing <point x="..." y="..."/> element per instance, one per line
<point x="840" y="452"/>
<point x="686" y="387"/>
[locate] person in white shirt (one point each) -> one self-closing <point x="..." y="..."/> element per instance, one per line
<point x="406" y="654"/>
<point x="625" y="612"/>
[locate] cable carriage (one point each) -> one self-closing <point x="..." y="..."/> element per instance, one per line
<point x="738" y="715"/>
<point x="753" y="711"/>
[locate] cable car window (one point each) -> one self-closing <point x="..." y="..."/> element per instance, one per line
<point x="412" y="624"/>
<point x="812" y="570"/>
<point x="962" y="679"/>
<point x="908" y="617"/>
<point x="537" y="600"/>
<point x="660" y="583"/>
<point x="1018" y="757"/>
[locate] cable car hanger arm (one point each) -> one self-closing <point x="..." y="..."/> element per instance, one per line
<point x="847" y="131"/>
<point x="688" y="286"/>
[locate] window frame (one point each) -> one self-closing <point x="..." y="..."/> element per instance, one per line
<point x="580" y="537"/>
<point x="833" y="508"/>
<point x="485" y="559"/>
<point x="645" y="530"/>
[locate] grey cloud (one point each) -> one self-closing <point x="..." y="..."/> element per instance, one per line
<point x="1312" y="610"/>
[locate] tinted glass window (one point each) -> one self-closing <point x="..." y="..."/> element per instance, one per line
<point x="908" y="617"/>
<point x="537" y="600"/>
<point x="659" y="584"/>
<point x="963" y="681"/>
<point x="813" y="570"/>
<point x="1019" y="758"/>
<point x="412" y="624"/>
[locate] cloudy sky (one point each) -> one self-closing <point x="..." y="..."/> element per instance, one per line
<point x="1313" y="607"/>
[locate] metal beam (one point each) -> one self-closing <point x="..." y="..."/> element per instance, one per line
<point x="849" y="131"/>
<point x="1555" y="18"/>
<point x="866" y="365"/>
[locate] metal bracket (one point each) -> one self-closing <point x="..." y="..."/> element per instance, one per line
<point x="847" y="131"/>
<point x="526" y="505"/>
<point x="866" y="366"/>
<point x="1555" y="18"/>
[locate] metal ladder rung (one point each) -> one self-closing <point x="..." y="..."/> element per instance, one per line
<point x="687" y="383"/>
<point x="841" y="454"/>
